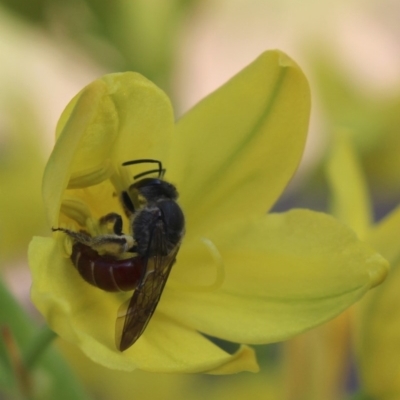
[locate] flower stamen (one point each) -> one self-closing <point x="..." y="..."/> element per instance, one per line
<point x="75" y="209"/>
<point x="91" y="176"/>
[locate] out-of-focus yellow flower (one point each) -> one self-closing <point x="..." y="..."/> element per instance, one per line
<point x="111" y="384"/>
<point x="21" y="165"/>
<point x="316" y="362"/>
<point x="230" y="158"/>
<point x="379" y="323"/>
<point x="376" y="318"/>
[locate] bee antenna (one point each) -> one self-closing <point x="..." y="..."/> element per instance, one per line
<point x="160" y="169"/>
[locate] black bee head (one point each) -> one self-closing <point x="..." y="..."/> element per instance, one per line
<point x="154" y="189"/>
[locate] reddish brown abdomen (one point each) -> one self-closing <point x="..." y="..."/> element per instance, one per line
<point x="105" y="271"/>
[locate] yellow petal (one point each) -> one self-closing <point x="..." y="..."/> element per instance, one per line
<point x="145" y="116"/>
<point x="85" y="315"/>
<point x="117" y="118"/>
<point x="385" y="236"/>
<point x="59" y="166"/>
<point x="284" y="273"/>
<point x="379" y="341"/>
<point x="242" y="144"/>
<point x="243" y="360"/>
<point x="378" y="331"/>
<point x="168" y="346"/>
<point x="350" y="197"/>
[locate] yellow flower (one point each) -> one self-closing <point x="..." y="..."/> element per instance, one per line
<point x="375" y="319"/>
<point x="241" y="275"/>
<point x="378" y="337"/>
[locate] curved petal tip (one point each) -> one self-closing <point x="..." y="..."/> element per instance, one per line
<point x="285" y="60"/>
<point x="243" y="360"/>
<point x="378" y="271"/>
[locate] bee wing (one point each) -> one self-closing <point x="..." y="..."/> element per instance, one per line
<point x="135" y="314"/>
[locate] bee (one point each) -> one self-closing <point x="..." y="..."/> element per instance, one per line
<point x="157" y="226"/>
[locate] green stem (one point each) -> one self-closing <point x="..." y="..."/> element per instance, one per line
<point x="38" y="346"/>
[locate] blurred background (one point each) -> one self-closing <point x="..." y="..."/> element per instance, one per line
<point x="50" y="49"/>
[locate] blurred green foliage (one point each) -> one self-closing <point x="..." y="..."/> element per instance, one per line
<point x="139" y="35"/>
<point x="51" y="378"/>
<point x="372" y="119"/>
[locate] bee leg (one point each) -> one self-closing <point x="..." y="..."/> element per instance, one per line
<point x="112" y="244"/>
<point x="80" y="237"/>
<point x="114" y="219"/>
<point x="133" y="249"/>
<point x="127" y="204"/>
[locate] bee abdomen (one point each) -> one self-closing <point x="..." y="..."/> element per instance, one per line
<point x="106" y="272"/>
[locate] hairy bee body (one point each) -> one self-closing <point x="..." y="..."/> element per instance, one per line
<point x="157" y="226"/>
